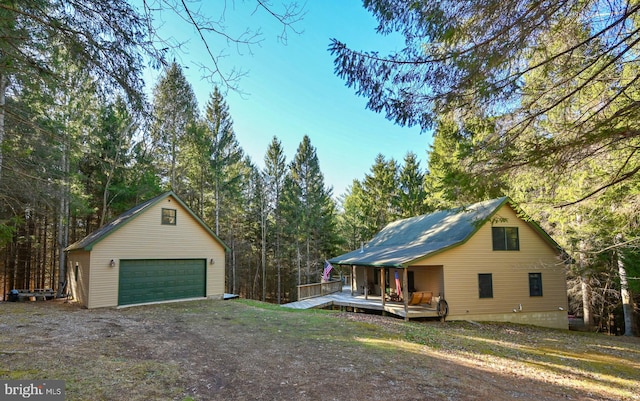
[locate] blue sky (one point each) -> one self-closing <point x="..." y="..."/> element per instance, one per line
<point x="291" y="90"/>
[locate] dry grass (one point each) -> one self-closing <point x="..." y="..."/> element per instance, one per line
<point x="244" y="350"/>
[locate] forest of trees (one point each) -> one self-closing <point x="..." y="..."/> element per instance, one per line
<point x="550" y="122"/>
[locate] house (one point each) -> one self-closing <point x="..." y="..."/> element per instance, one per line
<point x="484" y="262"/>
<point x="158" y="251"/>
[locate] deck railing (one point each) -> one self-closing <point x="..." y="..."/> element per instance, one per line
<point x="318" y="289"/>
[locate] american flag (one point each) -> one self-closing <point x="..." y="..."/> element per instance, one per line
<point x="327" y="271"/>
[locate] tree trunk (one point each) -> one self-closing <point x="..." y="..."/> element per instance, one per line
<point x="584" y="283"/>
<point x="5" y="283"/>
<point x="256" y="283"/>
<point x="264" y="247"/>
<point x="110" y="174"/>
<point x="202" y="193"/>
<point x="278" y="285"/>
<point x="277" y="260"/>
<point x="217" y="210"/>
<point x="63" y="221"/>
<point x="308" y="262"/>
<point x="233" y="268"/>
<point x="586" y="302"/>
<point x="299" y="261"/>
<point x="3" y="94"/>
<point x="625" y="295"/>
<point x="172" y="174"/>
<point x="42" y="252"/>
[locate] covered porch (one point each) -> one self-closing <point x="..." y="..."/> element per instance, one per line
<point x="413" y="288"/>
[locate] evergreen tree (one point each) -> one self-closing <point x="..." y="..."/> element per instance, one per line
<point x="240" y="226"/>
<point x="290" y="207"/>
<point x="198" y="174"/>
<point x="175" y="112"/>
<point x="252" y="227"/>
<point x="351" y="220"/>
<point x="412" y="194"/>
<point x="380" y="195"/>
<point x="307" y="193"/>
<point x="226" y="152"/>
<point x="103" y="163"/>
<point x="453" y="179"/>
<point x="274" y="174"/>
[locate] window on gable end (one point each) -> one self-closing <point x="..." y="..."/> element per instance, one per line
<point x="169" y="217"/>
<point x="505" y="238"/>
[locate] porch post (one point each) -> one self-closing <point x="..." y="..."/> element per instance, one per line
<point x="383" y="286"/>
<point x="353" y="278"/>
<point x="366" y="283"/>
<point x="405" y="292"/>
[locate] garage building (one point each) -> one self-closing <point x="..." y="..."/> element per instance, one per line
<point x="158" y="251"/>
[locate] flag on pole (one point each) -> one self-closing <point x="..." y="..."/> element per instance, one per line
<point x="327" y="271"/>
<point x="398" y="286"/>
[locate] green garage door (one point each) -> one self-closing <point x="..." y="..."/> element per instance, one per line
<point x="160" y="280"/>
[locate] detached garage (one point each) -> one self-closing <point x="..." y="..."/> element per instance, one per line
<point x="157" y="251"/>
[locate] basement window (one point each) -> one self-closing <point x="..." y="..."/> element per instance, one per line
<point x="169" y="217"/>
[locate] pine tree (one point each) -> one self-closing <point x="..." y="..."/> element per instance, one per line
<point x="308" y="198"/>
<point x="380" y="194"/>
<point x="412" y="195"/>
<point x="226" y="152"/>
<point x="102" y="165"/>
<point x="351" y="220"/>
<point x="175" y="112"/>
<point x="274" y="174"/>
<point x="452" y="179"/>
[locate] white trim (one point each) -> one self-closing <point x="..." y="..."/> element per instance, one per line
<point x="163" y="302"/>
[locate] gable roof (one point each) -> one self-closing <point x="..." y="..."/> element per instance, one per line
<point x="88" y="242"/>
<point x="404" y="241"/>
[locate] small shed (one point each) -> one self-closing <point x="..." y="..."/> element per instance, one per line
<point x="160" y="250"/>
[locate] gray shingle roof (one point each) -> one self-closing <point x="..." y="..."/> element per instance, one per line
<point x="90" y="240"/>
<point x="403" y="241"/>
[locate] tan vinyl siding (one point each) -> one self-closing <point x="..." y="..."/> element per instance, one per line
<point x="144" y="237"/>
<point x="510" y="272"/>
<point x="79" y="285"/>
<point x="428" y="278"/>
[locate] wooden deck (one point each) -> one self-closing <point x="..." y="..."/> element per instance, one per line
<point x="373" y="303"/>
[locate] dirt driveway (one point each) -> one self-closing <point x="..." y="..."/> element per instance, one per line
<point x="241" y="350"/>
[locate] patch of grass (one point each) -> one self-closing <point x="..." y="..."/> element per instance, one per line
<point x="105" y="379"/>
<point x="423" y="335"/>
<point x="18" y="374"/>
